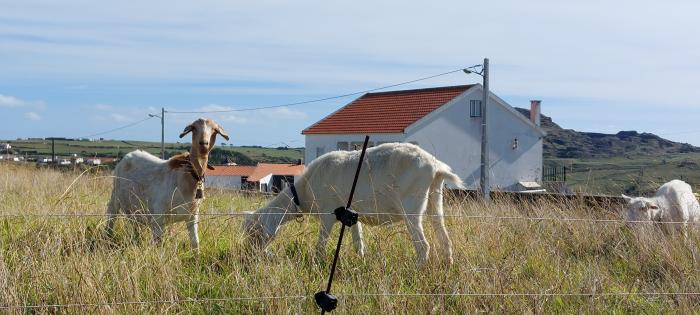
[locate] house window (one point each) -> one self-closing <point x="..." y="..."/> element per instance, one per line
<point x="475" y="108"/>
<point x="320" y="151"/>
<point x="343" y="146"/>
<point x="357" y="145"/>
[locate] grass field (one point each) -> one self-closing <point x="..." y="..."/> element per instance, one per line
<point x="117" y="148"/>
<point x="631" y="175"/>
<point x="54" y="260"/>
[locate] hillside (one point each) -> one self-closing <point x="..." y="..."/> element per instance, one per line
<point x="243" y="155"/>
<point x="569" y="143"/>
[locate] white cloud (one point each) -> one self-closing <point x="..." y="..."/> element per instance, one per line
<point x="11" y="101"/>
<point x="119" y="117"/>
<point x="214" y="107"/>
<point x="284" y="113"/>
<point x="33" y="116"/>
<point x="236" y="119"/>
<point x="104" y="107"/>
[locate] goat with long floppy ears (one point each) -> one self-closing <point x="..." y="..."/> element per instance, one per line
<point x="160" y="192"/>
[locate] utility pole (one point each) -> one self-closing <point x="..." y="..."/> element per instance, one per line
<point x="485" y="186"/>
<point x="162" y="133"/>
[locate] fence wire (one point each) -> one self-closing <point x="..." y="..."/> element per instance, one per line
<point x="390" y="214"/>
<point x="303" y="297"/>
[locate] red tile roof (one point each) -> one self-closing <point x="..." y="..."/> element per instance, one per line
<point x="385" y="112"/>
<point x="231" y="170"/>
<point x="264" y="169"/>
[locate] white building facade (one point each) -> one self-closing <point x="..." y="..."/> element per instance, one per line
<point x="450" y="129"/>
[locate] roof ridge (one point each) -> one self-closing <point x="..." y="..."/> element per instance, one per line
<point x="465" y="86"/>
<point x="386" y="112"/>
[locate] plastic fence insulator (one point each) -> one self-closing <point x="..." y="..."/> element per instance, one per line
<point x="346" y="216"/>
<point x="326" y="301"/>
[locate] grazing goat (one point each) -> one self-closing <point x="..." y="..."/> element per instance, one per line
<point x="166" y="191"/>
<point x="398" y="182"/>
<point x="673" y="202"/>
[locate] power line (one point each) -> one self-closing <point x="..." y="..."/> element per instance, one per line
<point x="117" y="129"/>
<point x="321" y="99"/>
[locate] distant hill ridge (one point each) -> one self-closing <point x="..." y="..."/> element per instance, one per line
<point x="569" y="143"/>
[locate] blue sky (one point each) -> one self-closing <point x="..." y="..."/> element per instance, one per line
<point x="75" y="68"/>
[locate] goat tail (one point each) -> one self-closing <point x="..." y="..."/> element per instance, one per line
<point x="444" y="173"/>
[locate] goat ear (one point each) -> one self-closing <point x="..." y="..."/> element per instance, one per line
<point x="652" y="205"/>
<point x="220" y="130"/>
<point x="187" y="130"/>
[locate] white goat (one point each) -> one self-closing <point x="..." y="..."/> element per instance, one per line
<point x="673" y="202"/>
<point x="164" y="190"/>
<point x="398" y="182"/>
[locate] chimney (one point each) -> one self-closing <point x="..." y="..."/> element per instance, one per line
<point x="535" y="112"/>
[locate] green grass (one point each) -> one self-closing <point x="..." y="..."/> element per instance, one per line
<point x="632" y="175"/>
<point x="67" y="260"/>
<point x="115" y="148"/>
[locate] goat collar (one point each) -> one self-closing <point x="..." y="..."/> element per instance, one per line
<point x="295" y="196"/>
<point x="297" y="203"/>
<point x="199" y="193"/>
<point x="193" y="171"/>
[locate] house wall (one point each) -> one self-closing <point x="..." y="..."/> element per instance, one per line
<point x="454" y="137"/>
<point x="509" y="165"/>
<point x="329" y="142"/>
<point x="223" y="182"/>
<point x="265" y="183"/>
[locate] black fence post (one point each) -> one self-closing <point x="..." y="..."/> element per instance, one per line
<point x="347" y="217"/>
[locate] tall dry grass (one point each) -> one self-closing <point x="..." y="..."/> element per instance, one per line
<point x="46" y="261"/>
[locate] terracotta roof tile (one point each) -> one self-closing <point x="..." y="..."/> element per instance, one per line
<point x="264" y="169"/>
<point x="386" y="112"/>
<point x="231" y="170"/>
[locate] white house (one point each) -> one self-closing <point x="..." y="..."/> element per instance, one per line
<point x="271" y="177"/>
<point x="445" y="121"/>
<point x="228" y="176"/>
<point x="265" y="177"/>
<point x="5" y="146"/>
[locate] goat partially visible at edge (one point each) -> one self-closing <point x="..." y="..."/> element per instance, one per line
<point x="673" y="202"/>
<point x="398" y="182"/>
<point x="145" y="184"/>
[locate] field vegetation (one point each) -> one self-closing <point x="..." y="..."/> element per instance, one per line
<point x="549" y="266"/>
<point x="632" y="175"/>
<point x="245" y="155"/>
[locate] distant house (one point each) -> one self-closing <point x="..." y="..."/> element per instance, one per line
<point x="228" y="176"/>
<point x="93" y="162"/>
<point x="264" y="177"/>
<point x="268" y="177"/>
<point x="5" y="146"/>
<point x="445" y="121"/>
